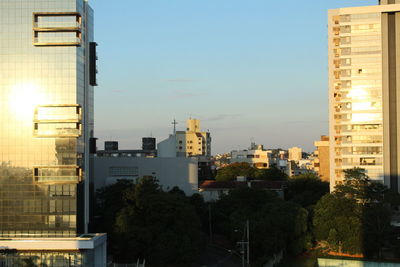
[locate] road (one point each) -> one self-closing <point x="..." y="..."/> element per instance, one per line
<point x="218" y="257"/>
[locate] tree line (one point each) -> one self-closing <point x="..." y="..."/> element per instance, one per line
<point x="172" y="229"/>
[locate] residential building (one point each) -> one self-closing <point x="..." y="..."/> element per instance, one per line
<point x="256" y="156"/>
<point x="295" y="154"/>
<point x="321" y="160"/>
<point x="193" y="142"/>
<point x="190" y="143"/>
<point x="46" y="119"/>
<point x="363" y="91"/>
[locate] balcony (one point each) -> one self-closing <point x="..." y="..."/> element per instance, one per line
<point x="57" y="174"/>
<point x="57" y="22"/>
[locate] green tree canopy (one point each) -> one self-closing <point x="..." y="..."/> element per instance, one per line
<point x="161" y="227"/>
<point x="356" y="217"/>
<point x="306" y="189"/>
<point x="232" y="171"/>
<point x="275" y="225"/>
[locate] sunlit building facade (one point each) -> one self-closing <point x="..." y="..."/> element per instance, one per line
<point x="363" y="91"/>
<point x="47" y="74"/>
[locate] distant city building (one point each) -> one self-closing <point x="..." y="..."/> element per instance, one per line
<point x="322" y="161"/>
<point x="256" y="156"/>
<point x="193" y="142"/>
<point x="363" y="92"/>
<point x="294" y="169"/>
<point x="190" y="143"/>
<point x="170" y="172"/>
<point x="295" y="154"/>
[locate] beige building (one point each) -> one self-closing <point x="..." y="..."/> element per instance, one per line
<point x="364" y="92"/>
<point x="256" y="156"/>
<point x="193" y="142"/>
<point x="295" y="154"/>
<point x="321" y="160"/>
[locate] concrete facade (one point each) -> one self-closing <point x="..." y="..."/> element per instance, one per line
<point x="256" y="156"/>
<point x="322" y="161"/>
<point x="193" y="142"/>
<point x="295" y="154"/>
<point x="171" y="172"/>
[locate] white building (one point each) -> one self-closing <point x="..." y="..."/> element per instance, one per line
<point x="256" y="156"/>
<point x="170" y="172"/>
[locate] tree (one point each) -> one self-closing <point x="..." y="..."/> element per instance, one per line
<point x="234" y="170"/>
<point x="306" y="189"/>
<point x="355" y="218"/>
<point x="337" y="221"/>
<point x="161" y="227"/>
<point x="271" y="174"/>
<point x="275" y="225"/>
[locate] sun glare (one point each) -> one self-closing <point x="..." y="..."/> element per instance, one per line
<point x="23" y="99"/>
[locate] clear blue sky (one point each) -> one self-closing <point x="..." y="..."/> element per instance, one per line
<point x="247" y="69"/>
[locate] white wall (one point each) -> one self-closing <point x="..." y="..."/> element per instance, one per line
<point x="181" y="172"/>
<point x="167" y="147"/>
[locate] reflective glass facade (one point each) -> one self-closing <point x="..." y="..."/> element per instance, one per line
<point x="356" y="115"/>
<point x="46" y="116"/>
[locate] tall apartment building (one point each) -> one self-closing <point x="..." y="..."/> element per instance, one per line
<point x="193" y="142"/>
<point x="295" y="154"/>
<point x="47" y="74"/>
<point x="364" y="91"/>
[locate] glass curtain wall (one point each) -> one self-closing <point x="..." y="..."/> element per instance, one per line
<point x="357" y="93"/>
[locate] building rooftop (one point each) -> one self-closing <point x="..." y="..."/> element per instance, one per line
<point x="256" y="184"/>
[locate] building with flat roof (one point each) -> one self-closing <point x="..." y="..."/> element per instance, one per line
<point x="170" y="172"/>
<point x="193" y="142"/>
<point x="48" y="67"/>
<point x="295" y="154"/>
<point x="321" y="160"/>
<point x="256" y="156"/>
<point x="363" y="91"/>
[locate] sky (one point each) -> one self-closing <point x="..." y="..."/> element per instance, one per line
<point x="250" y="70"/>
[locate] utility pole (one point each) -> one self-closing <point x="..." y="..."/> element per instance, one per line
<point x="209" y="222"/>
<point x="248" y="243"/>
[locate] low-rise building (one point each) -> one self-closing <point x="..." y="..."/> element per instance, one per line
<point x="256" y="156"/>
<point x="170" y="172"/>
<point x="213" y="190"/>
<point x="322" y="161"/>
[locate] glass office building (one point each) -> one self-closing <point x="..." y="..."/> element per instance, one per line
<point x="47" y="74"/>
<point x="362" y="91"/>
